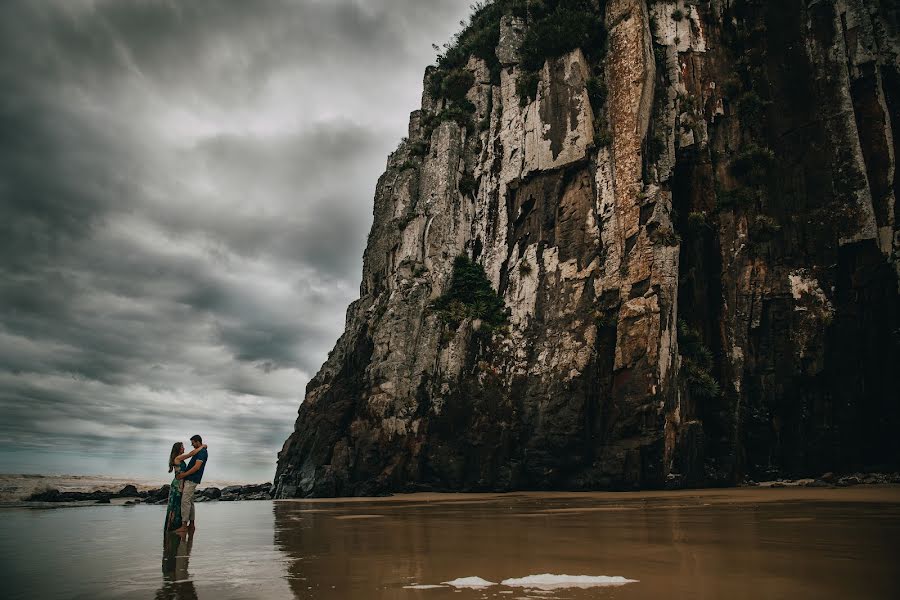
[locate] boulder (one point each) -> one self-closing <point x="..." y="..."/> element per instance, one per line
<point x="255" y="488"/>
<point x="57" y="496"/>
<point x="674" y="481"/>
<point x="129" y="491"/>
<point x="159" y="494"/>
<point x="818" y="483"/>
<point x="45" y="496"/>
<point x="213" y="493"/>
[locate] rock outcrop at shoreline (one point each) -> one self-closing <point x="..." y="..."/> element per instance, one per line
<point x="830" y="480"/>
<point x="262" y="491"/>
<point x="627" y="244"/>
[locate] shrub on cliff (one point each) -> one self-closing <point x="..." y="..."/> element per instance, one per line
<point x="527" y="87"/>
<point x="555" y="27"/>
<point x="597" y="93"/>
<point x="480" y="35"/>
<point x="731" y="87"/>
<point x="453" y="85"/>
<point x="574" y="24"/>
<point x="698" y="222"/>
<point x="470" y="295"/>
<point x="752" y="108"/>
<point x="665" y="236"/>
<point x="602" y="134"/>
<point x="764" y="228"/>
<point x="753" y="164"/>
<point x="419" y="148"/>
<point x="697" y="362"/>
<point x="700" y="382"/>
<point x="461" y="115"/>
<point x="468" y="184"/>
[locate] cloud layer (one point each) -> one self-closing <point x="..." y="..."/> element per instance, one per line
<point x="185" y="192"/>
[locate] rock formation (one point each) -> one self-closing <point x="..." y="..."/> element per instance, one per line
<point x="689" y="212"/>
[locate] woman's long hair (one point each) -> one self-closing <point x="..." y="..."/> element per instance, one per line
<point x="177" y="448"/>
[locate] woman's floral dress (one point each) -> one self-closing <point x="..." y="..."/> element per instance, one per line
<point x="173" y="512"/>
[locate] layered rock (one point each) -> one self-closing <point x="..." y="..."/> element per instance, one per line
<point x="744" y="195"/>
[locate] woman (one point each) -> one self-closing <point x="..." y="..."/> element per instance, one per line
<point x="177" y="464"/>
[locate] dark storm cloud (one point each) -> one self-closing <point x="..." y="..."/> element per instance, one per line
<point x="185" y="192"/>
<point x="323" y="164"/>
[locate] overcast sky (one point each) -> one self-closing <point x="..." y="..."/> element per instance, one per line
<point x="185" y="192"/>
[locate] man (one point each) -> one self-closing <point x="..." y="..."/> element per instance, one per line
<point x="191" y="478"/>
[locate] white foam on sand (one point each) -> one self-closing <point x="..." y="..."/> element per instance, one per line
<point x="547" y="581"/>
<point x="469" y="582"/>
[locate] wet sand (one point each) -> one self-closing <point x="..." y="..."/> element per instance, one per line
<point x="707" y="544"/>
<point x="733" y="543"/>
<point x="739" y="495"/>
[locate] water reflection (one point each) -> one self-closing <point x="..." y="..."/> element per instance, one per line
<point x="177" y="583"/>
<point x="376" y="550"/>
<point x="676" y="548"/>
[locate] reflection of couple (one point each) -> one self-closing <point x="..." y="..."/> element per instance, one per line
<point x="180" y="513"/>
<point x="177" y="584"/>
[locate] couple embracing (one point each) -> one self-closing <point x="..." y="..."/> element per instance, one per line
<point x="180" y="513"/>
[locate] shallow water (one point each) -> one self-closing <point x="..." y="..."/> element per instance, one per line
<point x="744" y="543"/>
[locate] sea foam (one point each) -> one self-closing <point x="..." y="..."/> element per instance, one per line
<point x="469" y="582"/>
<point x="547" y="581"/>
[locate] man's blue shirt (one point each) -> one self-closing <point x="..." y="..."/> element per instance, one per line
<point x="198" y="476"/>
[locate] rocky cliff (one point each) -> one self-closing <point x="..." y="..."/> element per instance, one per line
<point x="688" y="210"/>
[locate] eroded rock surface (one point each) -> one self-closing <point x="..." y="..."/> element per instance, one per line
<point x="704" y="293"/>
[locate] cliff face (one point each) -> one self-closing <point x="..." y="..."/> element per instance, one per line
<point x="700" y="265"/>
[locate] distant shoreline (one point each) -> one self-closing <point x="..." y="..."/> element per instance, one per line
<point x="81" y="490"/>
<point x="16" y="487"/>
<point x="164" y="478"/>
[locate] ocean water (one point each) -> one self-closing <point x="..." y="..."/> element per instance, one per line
<point x="733" y="544"/>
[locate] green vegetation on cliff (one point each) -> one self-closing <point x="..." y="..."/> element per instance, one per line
<point x="753" y="164"/>
<point x="470" y="295"/>
<point x="557" y="28"/>
<point x="697" y="362"/>
<point x="554" y="28"/>
<point x="453" y="84"/>
<point x="482" y="34"/>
